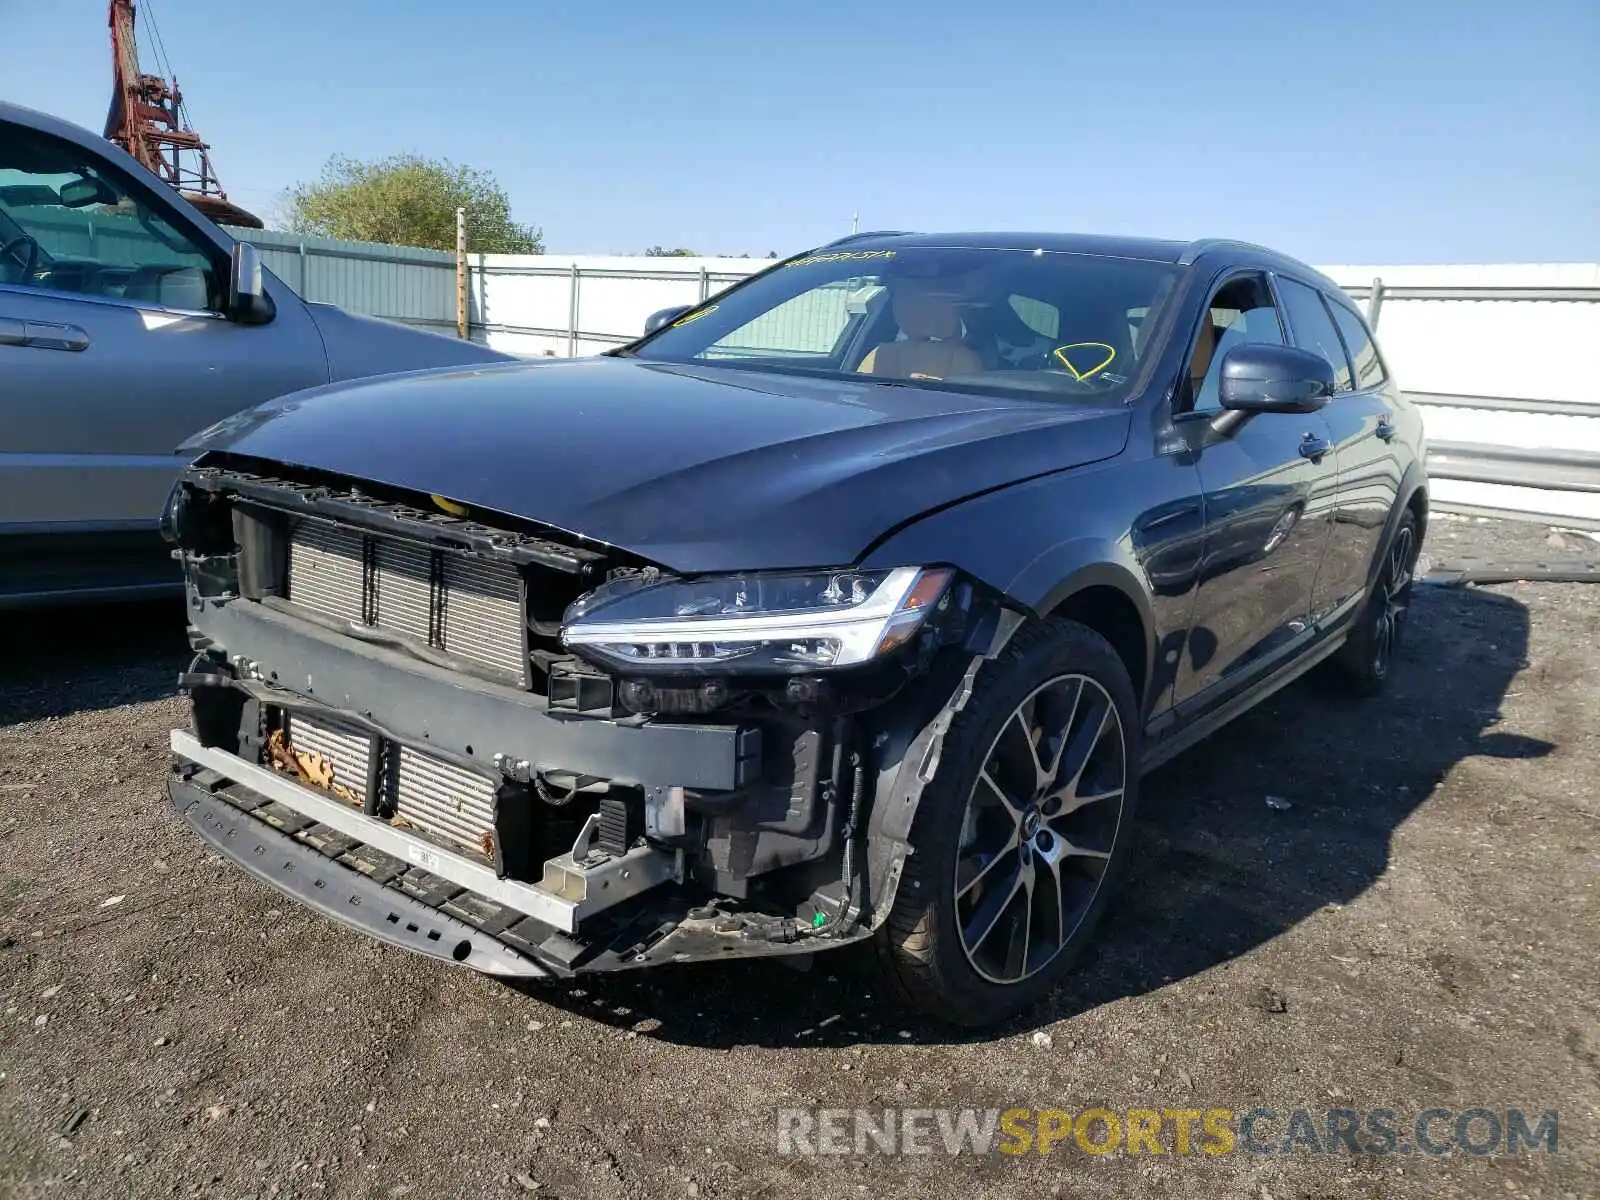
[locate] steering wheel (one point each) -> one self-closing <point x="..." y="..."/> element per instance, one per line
<point x="28" y="264"/>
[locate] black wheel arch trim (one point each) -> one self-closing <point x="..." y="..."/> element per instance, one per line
<point x="906" y="750"/>
<point x="1413" y="483"/>
<point x="907" y="745"/>
<point x="1070" y="568"/>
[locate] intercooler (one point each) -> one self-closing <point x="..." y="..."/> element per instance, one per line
<point x="437" y="797"/>
<point x="466" y="606"/>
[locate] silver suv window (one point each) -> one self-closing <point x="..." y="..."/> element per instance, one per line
<point x="68" y="225"/>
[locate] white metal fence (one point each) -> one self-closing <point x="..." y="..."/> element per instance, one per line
<point x="1505" y="358"/>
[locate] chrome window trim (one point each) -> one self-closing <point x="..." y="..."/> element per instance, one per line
<point x="22" y="289"/>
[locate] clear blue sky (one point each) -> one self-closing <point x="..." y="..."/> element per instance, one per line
<point x="1340" y="131"/>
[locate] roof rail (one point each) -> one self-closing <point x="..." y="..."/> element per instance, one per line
<point x="1196" y="248"/>
<point x="856" y="237"/>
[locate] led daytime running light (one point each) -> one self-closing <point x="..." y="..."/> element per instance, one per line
<point x="846" y="636"/>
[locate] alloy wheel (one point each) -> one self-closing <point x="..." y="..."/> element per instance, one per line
<point x="1394" y="596"/>
<point x="1039" y="828"/>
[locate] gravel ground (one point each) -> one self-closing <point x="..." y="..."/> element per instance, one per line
<point x="1418" y="926"/>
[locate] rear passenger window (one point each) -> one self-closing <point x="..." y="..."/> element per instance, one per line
<point x="1369" y="367"/>
<point x="1313" y="329"/>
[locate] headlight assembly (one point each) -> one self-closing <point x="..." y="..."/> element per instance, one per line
<point x="171" y="514"/>
<point x="778" y="622"/>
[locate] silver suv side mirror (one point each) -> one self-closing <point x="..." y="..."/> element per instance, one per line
<point x="248" y="302"/>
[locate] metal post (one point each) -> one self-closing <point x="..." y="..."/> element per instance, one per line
<point x="572" y="316"/>
<point x="461" y="273"/>
<point x="1375" y="303"/>
<point x="302" y="288"/>
<point x="705" y="283"/>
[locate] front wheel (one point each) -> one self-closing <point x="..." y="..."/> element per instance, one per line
<point x="1019" y="835"/>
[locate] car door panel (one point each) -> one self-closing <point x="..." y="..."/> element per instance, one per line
<point x="1363" y="422"/>
<point x="1268" y="512"/>
<point x="1268" y="484"/>
<point x="113" y="348"/>
<point x="1369" y="482"/>
<point x="99" y="393"/>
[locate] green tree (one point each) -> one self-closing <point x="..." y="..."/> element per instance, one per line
<point x="409" y="200"/>
<point x="663" y="252"/>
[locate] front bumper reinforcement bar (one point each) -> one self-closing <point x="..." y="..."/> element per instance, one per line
<point x="639" y="870"/>
<point x="345" y="896"/>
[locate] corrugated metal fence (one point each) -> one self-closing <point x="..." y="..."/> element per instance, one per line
<point x="398" y="283"/>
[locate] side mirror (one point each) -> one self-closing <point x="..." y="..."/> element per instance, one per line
<point x="248" y="302"/>
<point x="1262" y="378"/>
<point x="665" y="316"/>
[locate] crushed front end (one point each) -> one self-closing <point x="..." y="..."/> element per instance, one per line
<point x="488" y="741"/>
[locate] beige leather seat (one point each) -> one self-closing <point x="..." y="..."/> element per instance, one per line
<point x="1205" y="348"/>
<point x="932" y="348"/>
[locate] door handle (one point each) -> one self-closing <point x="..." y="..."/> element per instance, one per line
<point x="1386" y="427"/>
<point x="1313" y="447"/>
<point x="42" y="335"/>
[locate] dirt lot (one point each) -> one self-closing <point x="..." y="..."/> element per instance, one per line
<point x="1420" y="926"/>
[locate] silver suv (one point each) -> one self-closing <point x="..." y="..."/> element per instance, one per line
<point x="127" y="322"/>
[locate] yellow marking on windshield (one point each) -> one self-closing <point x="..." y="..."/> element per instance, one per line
<point x="1060" y="356"/>
<point x="696" y="315"/>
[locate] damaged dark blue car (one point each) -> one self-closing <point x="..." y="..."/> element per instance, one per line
<point x="848" y="605"/>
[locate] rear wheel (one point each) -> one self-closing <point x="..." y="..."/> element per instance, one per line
<point x="1019" y="835"/>
<point x="1367" y="659"/>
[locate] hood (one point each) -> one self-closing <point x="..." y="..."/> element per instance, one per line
<point x="694" y="468"/>
<point x="361" y="346"/>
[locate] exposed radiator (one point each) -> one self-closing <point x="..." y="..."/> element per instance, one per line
<point x="347" y="747"/>
<point x="437" y="797"/>
<point x="444" y="800"/>
<point x="325" y="570"/>
<point x="453" y="602"/>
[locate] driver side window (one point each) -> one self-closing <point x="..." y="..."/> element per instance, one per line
<point x="67" y="225"/>
<point x="1240" y="312"/>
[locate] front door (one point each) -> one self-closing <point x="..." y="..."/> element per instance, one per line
<point x="1269" y="487"/>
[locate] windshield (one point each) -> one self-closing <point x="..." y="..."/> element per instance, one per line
<point x="1063" y="325"/>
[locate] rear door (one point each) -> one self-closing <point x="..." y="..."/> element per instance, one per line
<point x="1360" y="419"/>
<point x="113" y="342"/>
<point x="1269" y="489"/>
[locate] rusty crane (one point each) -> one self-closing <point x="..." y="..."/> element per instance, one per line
<point x="147" y="119"/>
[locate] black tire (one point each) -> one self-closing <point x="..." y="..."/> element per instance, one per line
<point x="920" y="950"/>
<point x="1362" y="667"/>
